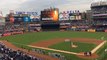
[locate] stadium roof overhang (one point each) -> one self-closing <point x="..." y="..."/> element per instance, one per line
<point x="101" y="3"/>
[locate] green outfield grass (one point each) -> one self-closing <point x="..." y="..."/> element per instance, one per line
<point x="66" y="46"/>
<point x="29" y="38"/>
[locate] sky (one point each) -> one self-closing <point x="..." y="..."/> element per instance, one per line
<point x="37" y="5"/>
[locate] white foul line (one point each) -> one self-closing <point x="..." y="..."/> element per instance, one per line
<point x="98" y="47"/>
<point x="56" y="50"/>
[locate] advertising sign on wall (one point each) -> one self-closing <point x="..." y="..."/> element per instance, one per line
<point x="64" y="16"/>
<point x="26" y="19"/>
<point x="72" y="17"/>
<point x="106" y="30"/>
<point x="35" y="19"/>
<point x="78" y="17"/>
<point x="30" y="13"/>
<point x="18" y="19"/>
<point x="60" y="16"/>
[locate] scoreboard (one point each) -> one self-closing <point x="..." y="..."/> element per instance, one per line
<point x="18" y="18"/>
<point x="50" y="14"/>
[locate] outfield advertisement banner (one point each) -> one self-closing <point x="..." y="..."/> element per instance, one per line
<point x="91" y="30"/>
<point x="106" y="30"/>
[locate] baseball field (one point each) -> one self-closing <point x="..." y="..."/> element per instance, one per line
<point x="69" y="44"/>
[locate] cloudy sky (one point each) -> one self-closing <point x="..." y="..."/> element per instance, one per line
<point x="37" y="5"/>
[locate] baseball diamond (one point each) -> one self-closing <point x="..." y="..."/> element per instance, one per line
<point x="51" y="42"/>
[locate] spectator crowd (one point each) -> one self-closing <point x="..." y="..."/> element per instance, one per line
<point x="10" y="54"/>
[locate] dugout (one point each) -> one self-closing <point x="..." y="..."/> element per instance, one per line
<point x="50" y="27"/>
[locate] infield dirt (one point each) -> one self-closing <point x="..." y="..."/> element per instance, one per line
<point x="47" y="43"/>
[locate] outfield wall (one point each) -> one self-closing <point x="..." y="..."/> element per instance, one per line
<point x="50" y="27"/>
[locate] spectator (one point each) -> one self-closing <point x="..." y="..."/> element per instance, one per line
<point x="9" y="54"/>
